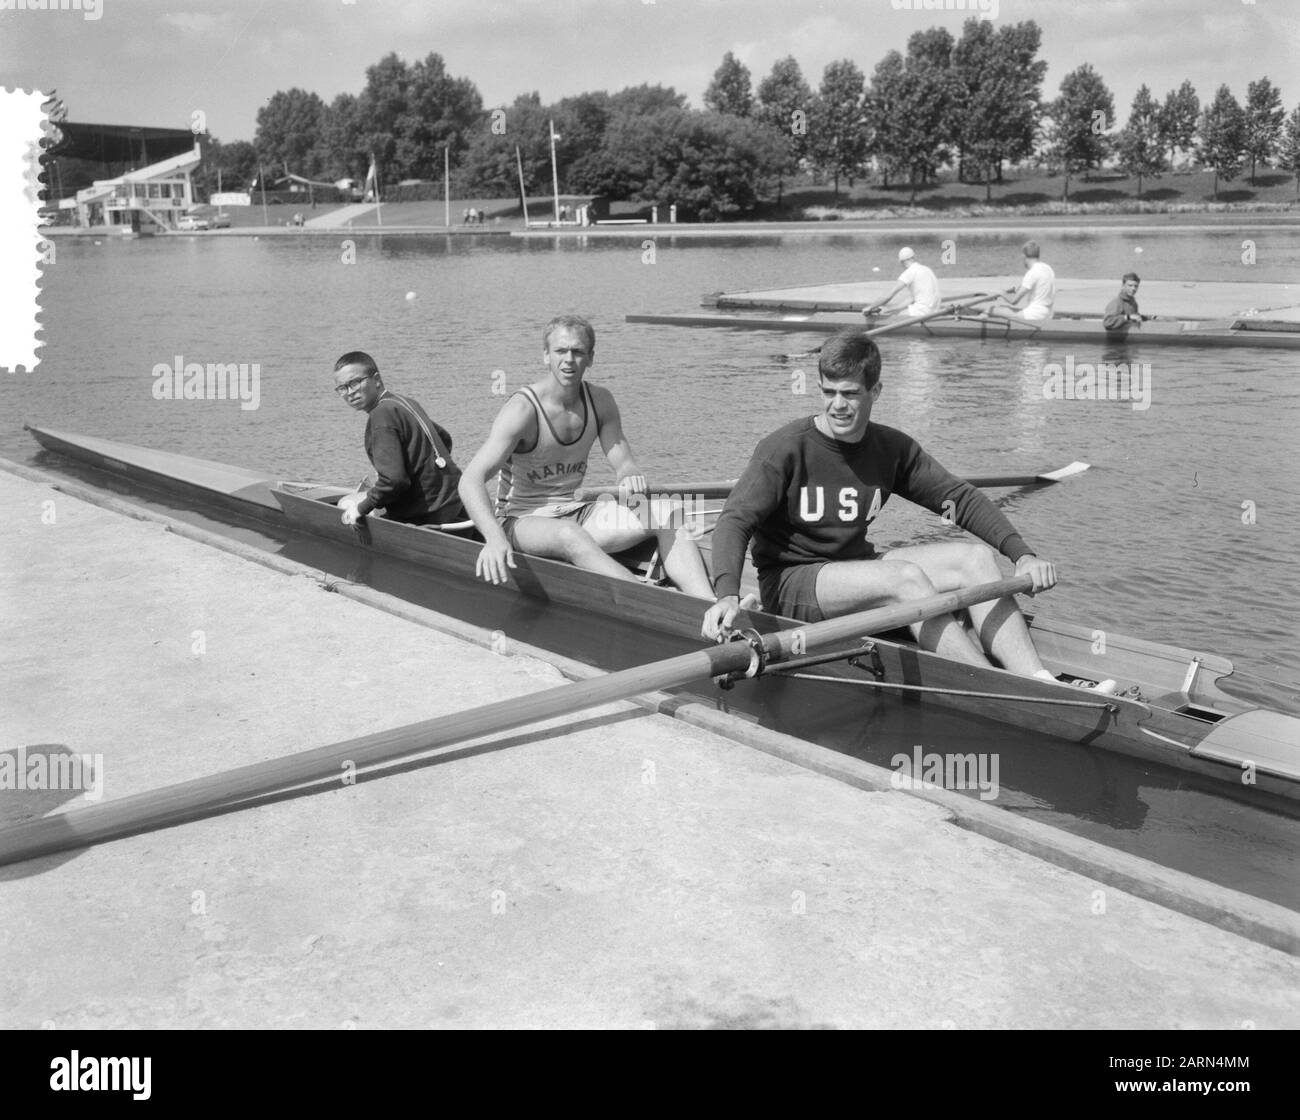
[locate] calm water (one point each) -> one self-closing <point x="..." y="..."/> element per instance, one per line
<point x="1151" y="541"/>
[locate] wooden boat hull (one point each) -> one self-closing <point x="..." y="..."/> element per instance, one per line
<point x="239" y="489"/>
<point x="1176" y="713"/>
<point x="1241" y="332"/>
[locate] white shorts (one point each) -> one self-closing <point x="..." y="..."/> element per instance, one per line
<point x="1036" y="314"/>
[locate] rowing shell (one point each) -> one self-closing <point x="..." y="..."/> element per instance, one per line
<point x="1270" y="334"/>
<point x="1172" y="710"/>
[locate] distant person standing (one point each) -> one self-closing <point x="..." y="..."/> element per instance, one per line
<point x="1033" y="300"/>
<point x="1123" y="309"/>
<point x="920" y="283"/>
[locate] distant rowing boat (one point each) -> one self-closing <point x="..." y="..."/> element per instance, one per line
<point x="1227" y="313"/>
<point x="1172" y="708"/>
<point x="1267" y="333"/>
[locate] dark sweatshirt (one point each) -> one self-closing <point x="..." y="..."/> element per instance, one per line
<point x="1118" y="310"/>
<point x="806" y="498"/>
<point x="411" y="486"/>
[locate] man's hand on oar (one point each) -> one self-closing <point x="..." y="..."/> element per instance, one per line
<point x="1042" y="572"/>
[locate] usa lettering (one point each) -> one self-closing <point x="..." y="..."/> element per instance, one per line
<point x="848" y="505"/>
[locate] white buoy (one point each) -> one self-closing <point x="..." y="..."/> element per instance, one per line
<point x="1138" y="249"/>
<point x="876" y="269"/>
<point x="410" y="295"/>
<point x="99" y="243"/>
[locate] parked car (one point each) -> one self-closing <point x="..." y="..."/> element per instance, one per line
<point x="219" y="221"/>
<point x="189" y="223"/>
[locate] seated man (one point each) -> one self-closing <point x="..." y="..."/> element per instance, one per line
<point x="1123" y="309"/>
<point x="811" y="490"/>
<point x="1033" y="300"/>
<point x="920" y="283"/>
<point x="540" y="442"/>
<point x="417" y="479"/>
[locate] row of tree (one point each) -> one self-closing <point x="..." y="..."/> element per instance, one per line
<point x="973" y="103"/>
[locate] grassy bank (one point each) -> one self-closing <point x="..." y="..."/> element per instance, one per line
<point x="1185" y="192"/>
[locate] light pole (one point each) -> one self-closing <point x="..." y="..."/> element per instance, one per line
<point x="555" y="175"/>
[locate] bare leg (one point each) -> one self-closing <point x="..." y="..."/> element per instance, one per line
<point x="558" y="539"/>
<point x="1001" y="627"/>
<point x="681" y="555"/>
<point x="861" y="584"/>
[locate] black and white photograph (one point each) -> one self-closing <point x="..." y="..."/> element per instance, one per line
<point x="651" y="515"/>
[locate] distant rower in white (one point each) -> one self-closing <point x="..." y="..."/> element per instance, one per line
<point x="920" y="284"/>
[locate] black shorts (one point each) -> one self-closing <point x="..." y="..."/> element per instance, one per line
<point x="792" y="591"/>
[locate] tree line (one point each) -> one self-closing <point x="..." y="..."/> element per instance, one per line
<point x="974" y="104"/>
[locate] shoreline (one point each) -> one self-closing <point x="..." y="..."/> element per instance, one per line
<point x="1060" y="223"/>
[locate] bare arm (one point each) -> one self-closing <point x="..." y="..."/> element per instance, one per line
<point x="508" y="429"/>
<point x="615" y="444"/>
<point x="884" y="302"/>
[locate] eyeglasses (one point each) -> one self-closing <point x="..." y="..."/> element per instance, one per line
<point x="351" y="386"/>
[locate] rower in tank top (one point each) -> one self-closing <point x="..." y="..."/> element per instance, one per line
<point x="539" y="444"/>
<point x="541" y="478"/>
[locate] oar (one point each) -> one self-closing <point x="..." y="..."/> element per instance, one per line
<point x="911" y="321"/>
<point x="947" y="309"/>
<point x="954" y="301"/>
<point x="715" y="490"/>
<point x="1043" y="479"/>
<point x="173" y="804"/>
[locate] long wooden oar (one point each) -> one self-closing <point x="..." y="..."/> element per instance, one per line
<point x="912" y="321"/>
<point x="173" y="804"/>
<point x="714" y="490"/>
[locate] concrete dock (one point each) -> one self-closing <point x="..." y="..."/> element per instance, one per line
<point x="623" y="869"/>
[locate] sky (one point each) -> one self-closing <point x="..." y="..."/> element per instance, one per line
<point x="150" y="62"/>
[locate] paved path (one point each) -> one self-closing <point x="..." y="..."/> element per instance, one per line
<point x="341" y="216"/>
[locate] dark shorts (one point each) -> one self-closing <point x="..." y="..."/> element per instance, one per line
<point x="577" y="512"/>
<point x="792" y="591"/>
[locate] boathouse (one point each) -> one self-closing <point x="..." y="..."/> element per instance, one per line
<point x="122" y="176"/>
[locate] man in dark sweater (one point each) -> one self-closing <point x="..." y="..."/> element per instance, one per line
<point x="811" y="491"/>
<point x="1123" y="309"/>
<point x="417" y="481"/>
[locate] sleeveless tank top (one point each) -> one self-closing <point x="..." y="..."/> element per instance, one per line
<point x="549" y="473"/>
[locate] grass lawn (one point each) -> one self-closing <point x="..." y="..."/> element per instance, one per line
<point x="1028" y="191"/>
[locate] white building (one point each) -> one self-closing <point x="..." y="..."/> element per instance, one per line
<point x="151" y="199"/>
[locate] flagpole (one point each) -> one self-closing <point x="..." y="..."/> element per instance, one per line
<point x="446" y="186"/>
<point x="555" y="175"/>
<point x="523" y="197"/>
